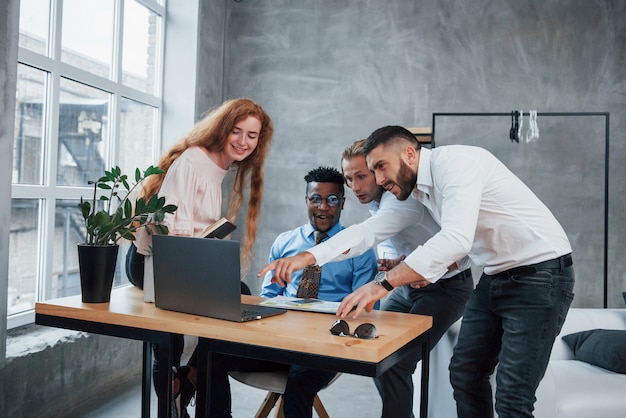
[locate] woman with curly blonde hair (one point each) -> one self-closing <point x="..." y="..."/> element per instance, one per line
<point x="233" y="136"/>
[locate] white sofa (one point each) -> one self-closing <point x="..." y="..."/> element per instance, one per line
<point x="569" y="389"/>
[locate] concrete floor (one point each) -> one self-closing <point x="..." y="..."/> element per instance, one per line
<point x="348" y="396"/>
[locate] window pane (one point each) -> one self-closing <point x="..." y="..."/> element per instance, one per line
<point x="87" y="35"/>
<point x="68" y="232"/>
<point x="29" y="121"/>
<point x="139" y="52"/>
<point x="23" y="260"/>
<point x="137" y="133"/>
<point x="83" y="132"/>
<point x="34" y="18"/>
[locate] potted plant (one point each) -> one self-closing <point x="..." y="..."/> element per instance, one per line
<point x="119" y="218"/>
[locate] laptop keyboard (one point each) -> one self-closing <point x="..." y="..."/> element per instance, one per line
<point x="250" y="313"/>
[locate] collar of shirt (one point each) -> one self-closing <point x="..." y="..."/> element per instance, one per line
<point x="373" y="206"/>
<point x="309" y="230"/>
<point x="424" y="185"/>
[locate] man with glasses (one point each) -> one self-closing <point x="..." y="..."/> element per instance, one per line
<point x="324" y="200"/>
<point x="403" y="225"/>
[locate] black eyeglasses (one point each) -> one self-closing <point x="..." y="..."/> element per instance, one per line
<point x="331" y="200"/>
<point x="364" y="331"/>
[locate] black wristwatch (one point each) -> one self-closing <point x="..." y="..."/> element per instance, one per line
<point x="381" y="280"/>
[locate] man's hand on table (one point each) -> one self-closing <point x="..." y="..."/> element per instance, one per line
<point x="363" y="298"/>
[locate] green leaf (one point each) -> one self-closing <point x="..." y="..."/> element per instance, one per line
<point x="154" y="200"/>
<point x="128" y="235"/>
<point x="85" y="208"/>
<point x="169" y="208"/>
<point x="161" y="229"/>
<point x="109" y="225"/>
<point x="140" y="205"/>
<point x="128" y="208"/>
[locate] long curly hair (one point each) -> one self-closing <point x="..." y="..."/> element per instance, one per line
<point x="211" y="132"/>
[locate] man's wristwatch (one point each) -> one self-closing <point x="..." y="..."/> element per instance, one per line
<point x="381" y="280"/>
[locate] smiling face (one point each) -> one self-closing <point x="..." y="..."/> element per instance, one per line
<point x="242" y="140"/>
<point x="360" y="179"/>
<point x="324" y="217"/>
<point x="392" y="165"/>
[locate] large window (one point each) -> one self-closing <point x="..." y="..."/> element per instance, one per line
<point x="88" y="98"/>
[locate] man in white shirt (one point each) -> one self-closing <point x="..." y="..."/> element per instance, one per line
<point x="443" y="300"/>
<point x="486" y="212"/>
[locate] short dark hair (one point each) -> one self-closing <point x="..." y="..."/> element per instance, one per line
<point x="325" y="175"/>
<point x="386" y="134"/>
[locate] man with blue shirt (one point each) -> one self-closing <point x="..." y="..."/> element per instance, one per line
<point x="324" y="200"/>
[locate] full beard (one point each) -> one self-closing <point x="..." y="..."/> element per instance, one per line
<point x="406" y="181"/>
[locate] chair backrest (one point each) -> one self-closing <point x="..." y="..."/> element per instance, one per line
<point x="270" y="381"/>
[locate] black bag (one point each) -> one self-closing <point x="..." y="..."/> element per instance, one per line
<point x="134" y="266"/>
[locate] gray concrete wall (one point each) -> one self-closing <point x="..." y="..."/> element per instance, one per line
<point x="54" y="373"/>
<point x="210" y="69"/>
<point x="330" y="72"/>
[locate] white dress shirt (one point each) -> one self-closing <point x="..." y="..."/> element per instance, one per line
<point x="484" y="210"/>
<point x="406" y="224"/>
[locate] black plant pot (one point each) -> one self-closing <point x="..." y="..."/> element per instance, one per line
<point x="97" y="270"/>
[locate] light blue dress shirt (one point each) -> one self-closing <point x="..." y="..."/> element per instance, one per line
<point x="338" y="279"/>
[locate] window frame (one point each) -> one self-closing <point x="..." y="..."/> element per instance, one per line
<point x="49" y="192"/>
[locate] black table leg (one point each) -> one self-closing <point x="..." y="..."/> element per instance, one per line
<point x="425" y="372"/>
<point x="164" y="381"/>
<point x="203" y="382"/>
<point x="146" y="380"/>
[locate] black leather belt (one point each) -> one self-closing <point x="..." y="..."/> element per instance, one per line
<point x="556" y="263"/>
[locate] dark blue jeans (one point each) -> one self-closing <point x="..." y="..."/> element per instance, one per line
<point x="510" y="321"/>
<point x="302" y="384"/>
<point x="444" y="300"/>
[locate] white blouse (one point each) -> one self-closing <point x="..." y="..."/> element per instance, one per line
<point x="194" y="184"/>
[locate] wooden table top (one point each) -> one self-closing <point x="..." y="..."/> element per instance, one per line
<point x="297" y="331"/>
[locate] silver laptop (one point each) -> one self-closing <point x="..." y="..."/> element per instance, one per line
<point x="201" y="276"/>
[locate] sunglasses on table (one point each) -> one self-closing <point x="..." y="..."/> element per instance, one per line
<point x="364" y="331"/>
